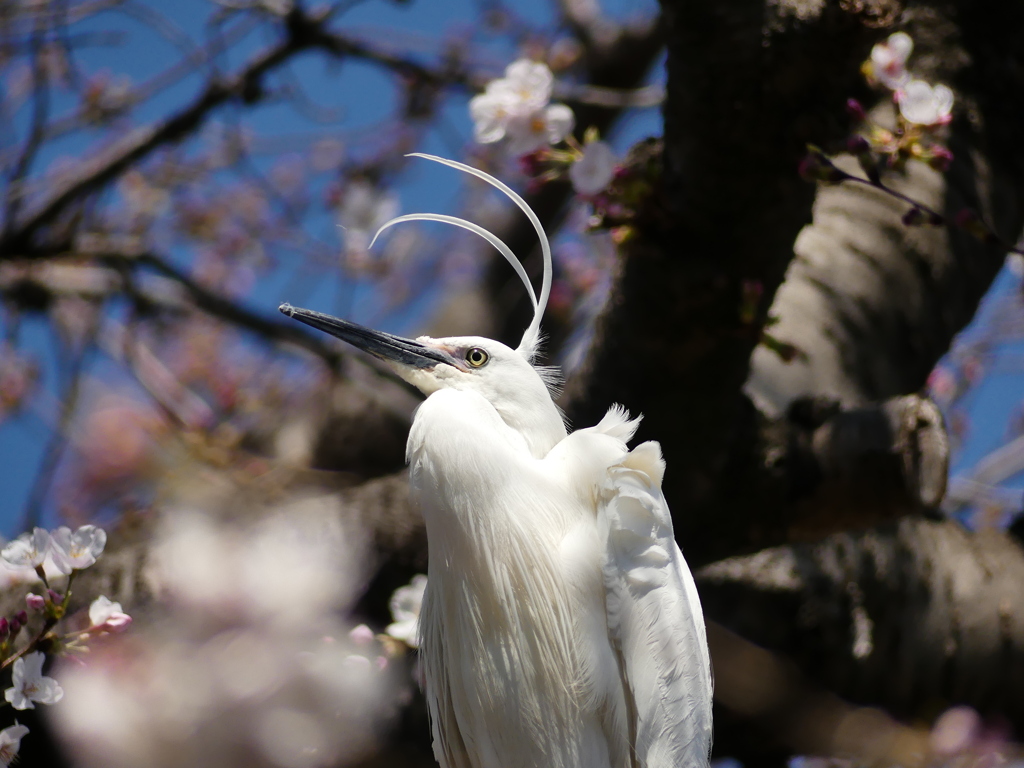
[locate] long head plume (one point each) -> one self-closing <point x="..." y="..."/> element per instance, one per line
<point x="531" y="338"/>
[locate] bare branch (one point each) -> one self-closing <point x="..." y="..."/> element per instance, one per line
<point x="304" y="31"/>
<point x="225" y="309"/>
<point x="59" y="437"/>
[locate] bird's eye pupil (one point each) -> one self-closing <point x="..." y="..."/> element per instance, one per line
<point x="476" y="357"/>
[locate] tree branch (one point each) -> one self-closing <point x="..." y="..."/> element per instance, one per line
<point x="901" y="617"/>
<point x="675" y="341"/>
<point x="304" y="31"/>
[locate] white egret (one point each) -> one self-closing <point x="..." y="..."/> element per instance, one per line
<point x="560" y="627"/>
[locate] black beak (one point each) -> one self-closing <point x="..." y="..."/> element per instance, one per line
<point x="377" y="343"/>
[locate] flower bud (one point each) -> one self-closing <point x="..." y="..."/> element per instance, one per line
<point x="913" y="218"/>
<point x="816" y="166"/>
<point x="22" y="617"/>
<point x="5" y="627"/>
<point x="55" y="597"/>
<point x="855" y="110"/>
<point x="35" y="602"/>
<point x="940" y="159"/>
<point x="14" y="624"/>
<point x="531" y="164"/>
<point x="857" y="145"/>
<point x="361" y="635"/>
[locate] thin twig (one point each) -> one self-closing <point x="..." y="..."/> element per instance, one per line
<point x="823" y="169"/>
<point x="59" y="438"/>
<point x="225" y="309"/>
<point x="37" y="128"/>
<point x="305" y="31"/>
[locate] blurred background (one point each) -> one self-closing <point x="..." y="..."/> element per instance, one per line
<point x="839" y="390"/>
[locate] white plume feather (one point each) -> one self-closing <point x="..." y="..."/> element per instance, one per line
<point x="531" y="337"/>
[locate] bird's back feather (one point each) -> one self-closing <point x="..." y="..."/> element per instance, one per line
<point x="654" y="616"/>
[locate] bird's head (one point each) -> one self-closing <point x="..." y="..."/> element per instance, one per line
<point x="505" y="377"/>
<point x="519" y="392"/>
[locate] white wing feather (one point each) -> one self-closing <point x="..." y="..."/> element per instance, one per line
<point x="654" y="616"/>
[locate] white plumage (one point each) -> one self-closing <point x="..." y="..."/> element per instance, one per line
<point x="560" y="625"/>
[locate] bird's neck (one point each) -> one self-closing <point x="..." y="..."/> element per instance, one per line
<point x="541" y="426"/>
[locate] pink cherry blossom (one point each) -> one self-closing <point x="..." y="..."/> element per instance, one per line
<point x="595" y="170"/>
<point x="31" y="685"/>
<point x="10" y="742"/>
<point x="924" y="104"/>
<point x="405" y="610"/>
<point x="517" y="107"/>
<point x="74" y="551"/>
<point x="888" y="62"/>
<point x="105" y="614"/>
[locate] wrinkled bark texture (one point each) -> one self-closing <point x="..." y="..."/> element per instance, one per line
<point x="869" y="304"/>
<point x="912" y="617"/>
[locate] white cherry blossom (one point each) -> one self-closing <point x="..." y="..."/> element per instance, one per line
<point x="31" y="685"/>
<point x="548" y="126"/>
<point x="29" y="549"/>
<point x="889" y="60"/>
<point x="10" y="742"/>
<point x="405" y="610"/>
<point x="924" y="104"/>
<point x="105" y="614"/>
<point x="595" y="170"/>
<point x="517" y="107"/>
<point x="74" y="551"/>
<point x="363" y="209"/>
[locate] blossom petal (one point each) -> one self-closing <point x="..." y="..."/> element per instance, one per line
<point x="595" y="170"/>
<point x="489" y="115"/>
<point x="560" y="120"/>
<point x="29" y="549"/>
<point x="943" y="99"/>
<point x="901" y="45"/>
<point x="48" y="691"/>
<point x="29" y="667"/>
<point x="922" y="104"/>
<point x="532" y="80"/>
<point x="17" y="699"/>
<point x="77" y="550"/>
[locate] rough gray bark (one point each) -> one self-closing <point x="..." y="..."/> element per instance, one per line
<point x="673" y="343"/>
<point x="744" y="95"/>
<point x="924" y="613"/>
<point x="869" y="304"/>
<point x="908" y="617"/>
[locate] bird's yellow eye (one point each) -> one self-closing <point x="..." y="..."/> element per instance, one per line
<point x="477" y="357"/>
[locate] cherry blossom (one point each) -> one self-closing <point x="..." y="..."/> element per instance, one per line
<point x="29" y="549"/>
<point x="363" y="209"/>
<point x="105" y="614"/>
<point x="405" y="610"/>
<point x="31" y="685"/>
<point x="924" y="104"/>
<point x="888" y="63"/>
<point x="10" y="742"/>
<point x="517" y="107"/>
<point x="955" y="731"/>
<point x="594" y="170"/>
<point x="74" y="551"/>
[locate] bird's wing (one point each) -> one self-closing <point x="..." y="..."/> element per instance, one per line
<point x="654" y="616"/>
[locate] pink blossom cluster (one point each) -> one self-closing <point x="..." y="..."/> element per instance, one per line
<point x="920" y="103"/>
